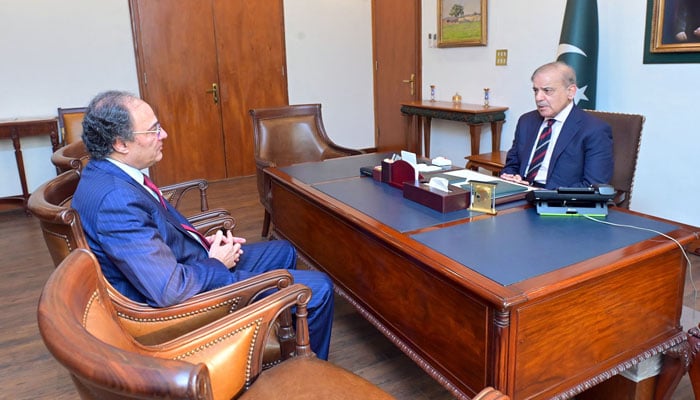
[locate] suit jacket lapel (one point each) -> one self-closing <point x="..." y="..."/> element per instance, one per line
<point x="170" y="213"/>
<point x="569" y="130"/>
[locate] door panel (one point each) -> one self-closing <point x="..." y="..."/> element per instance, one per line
<point x="252" y="70"/>
<point x="396" y="25"/>
<point x="176" y="68"/>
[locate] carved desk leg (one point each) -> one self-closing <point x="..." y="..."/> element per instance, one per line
<point x="676" y="362"/>
<point x="694" y="371"/>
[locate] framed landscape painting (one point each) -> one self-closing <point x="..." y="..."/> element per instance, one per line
<point x="462" y="23"/>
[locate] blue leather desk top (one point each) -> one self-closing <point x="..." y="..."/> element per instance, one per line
<point x="514" y="247"/>
<point x="386" y="204"/>
<point x="334" y="168"/>
<point x="507" y="248"/>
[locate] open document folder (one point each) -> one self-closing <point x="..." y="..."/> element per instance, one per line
<point x="462" y="177"/>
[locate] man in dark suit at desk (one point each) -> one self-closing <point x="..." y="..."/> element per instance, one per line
<point x="146" y="248"/>
<point x="558" y="144"/>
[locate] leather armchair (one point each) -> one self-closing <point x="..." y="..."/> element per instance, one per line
<point x="289" y="135"/>
<point x="63" y="233"/>
<point x="221" y="360"/>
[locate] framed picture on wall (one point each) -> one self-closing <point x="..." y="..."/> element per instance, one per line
<point x="672" y="32"/>
<point x="462" y="23"/>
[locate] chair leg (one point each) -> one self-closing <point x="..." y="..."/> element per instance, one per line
<point x="266" y="224"/>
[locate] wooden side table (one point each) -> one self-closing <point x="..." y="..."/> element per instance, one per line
<point x="475" y="115"/>
<point x="16" y="129"/>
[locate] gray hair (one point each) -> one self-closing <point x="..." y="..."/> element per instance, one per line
<point x="568" y="74"/>
<point x="106" y="119"/>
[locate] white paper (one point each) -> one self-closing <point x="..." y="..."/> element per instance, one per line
<point x="470" y="175"/>
<point x="427" y="168"/>
<point x="441" y="161"/>
<point x="439" y="183"/>
<point x="411" y="159"/>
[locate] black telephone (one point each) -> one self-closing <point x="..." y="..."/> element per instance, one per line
<point x="572" y="200"/>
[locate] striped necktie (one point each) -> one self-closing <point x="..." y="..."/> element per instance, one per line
<point x="540" y="151"/>
<point x="149" y="184"/>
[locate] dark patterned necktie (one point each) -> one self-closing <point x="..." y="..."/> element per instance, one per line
<point x="540" y="151"/>
<point x="149" y="184"/>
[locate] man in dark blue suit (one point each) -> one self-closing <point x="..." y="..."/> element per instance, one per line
<point x="143" y="243"/>
<point x="579" y="151"/>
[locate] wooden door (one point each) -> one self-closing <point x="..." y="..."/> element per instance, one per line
<point x="397" y="57"/>
<point x="185" y="46"/>
<point x="252" y="68"/>
<point x="176" y="56"/>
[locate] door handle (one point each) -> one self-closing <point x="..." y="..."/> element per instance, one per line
<point x="215" y="92"/>
<point x="412" y="82"/>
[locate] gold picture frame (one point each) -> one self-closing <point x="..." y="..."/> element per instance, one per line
<point x="673" y="26"/>
<point x="462" y="23"/>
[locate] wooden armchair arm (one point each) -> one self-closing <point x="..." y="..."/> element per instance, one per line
<point x="213" y="213"/>
<point x="333" y="151"/>
<point x="210" y="225"/>
<point x="174" y="193"/>
<point x="157" y="325"/>
<point x="219" y="345"/>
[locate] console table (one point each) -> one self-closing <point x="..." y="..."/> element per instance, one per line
<point x="19" y="128"/>
<point x="475" y="115"/>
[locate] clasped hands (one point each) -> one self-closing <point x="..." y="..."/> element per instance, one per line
<point x="225" y="248"/>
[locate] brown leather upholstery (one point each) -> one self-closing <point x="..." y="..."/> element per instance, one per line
<point x="289" y="135"/>
<point x="71" y="156"/>
<point x="63" y="232"/>
<point x="627" y="135"/>
<point x="220" y="360"/>
<point x="70" y="124"/>
<point x="60" y="223"/>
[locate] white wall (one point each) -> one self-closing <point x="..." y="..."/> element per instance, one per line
<point x="329" y="61"/>
<point x="325" y="48"/>
<point x="665" y="183"/>
<point x="57" y="54"/>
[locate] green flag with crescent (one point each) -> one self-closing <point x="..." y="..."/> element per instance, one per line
<point x="578" y="47"/>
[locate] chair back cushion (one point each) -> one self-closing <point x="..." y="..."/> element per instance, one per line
<point x="627" y="133"/>
<point x="289" y="135"/>
<point x="70" y="123"/>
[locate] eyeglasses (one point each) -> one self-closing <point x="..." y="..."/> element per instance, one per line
<point x="158" y="129"/>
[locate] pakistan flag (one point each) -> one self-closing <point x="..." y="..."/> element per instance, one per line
<point x="578" y="47"/>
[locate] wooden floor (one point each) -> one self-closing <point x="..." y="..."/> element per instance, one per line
<point x="27" y="370"/>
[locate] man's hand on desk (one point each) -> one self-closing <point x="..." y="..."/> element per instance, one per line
<point x="515" y="178"/>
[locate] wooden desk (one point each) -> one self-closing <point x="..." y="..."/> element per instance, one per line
<point x="16" y="129"/>
<point x="474" y="115"/>
<point x="467" y="296"/>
